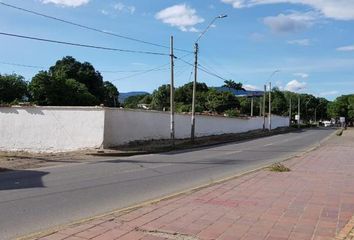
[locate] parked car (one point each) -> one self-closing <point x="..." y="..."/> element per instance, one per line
<point x="327" y="123"/>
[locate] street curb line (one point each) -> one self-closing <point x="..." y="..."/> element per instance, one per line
<point x="122" y="211"/>
<point x="345" y="233"/>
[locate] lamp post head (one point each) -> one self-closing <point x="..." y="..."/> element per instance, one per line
<point x="222" y="16"/>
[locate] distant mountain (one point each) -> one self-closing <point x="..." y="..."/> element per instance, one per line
<point x="123" y="96"/>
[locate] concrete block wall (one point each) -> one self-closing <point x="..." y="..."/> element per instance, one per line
<point x="60" y="129"/>
<point x="123" y="126"/>
<point x="50" y="129"/>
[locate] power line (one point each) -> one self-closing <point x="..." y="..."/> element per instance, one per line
<point x="87" y="27"/>
<point x="203" y="69"/>
<point x="41" y="67"/>
<point x="160" y="68"/>
<point x="21" y="65"/>
<point x="124" y="71"/>
<point x="81" y="45"/>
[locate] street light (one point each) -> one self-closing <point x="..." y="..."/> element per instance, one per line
<point x="307" y="102"/>
<point x="316" y="111"/>
<point x="196" y="51"/>
<point x="209" y="26"/>
<point x="270" y="101"/>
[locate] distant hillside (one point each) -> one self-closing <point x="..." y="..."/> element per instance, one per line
<point x="123" y="96"/>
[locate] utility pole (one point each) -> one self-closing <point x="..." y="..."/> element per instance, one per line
<point x="196" y="50"/>
<point x="298" y="111"/>
<point x="264" y="104"/>
<point x="260" y="107"/>
<point x="252" y="106"/>
<point x="270" y="107"/>
<point x="290" y="112"/>
<point x="172" y="99"/>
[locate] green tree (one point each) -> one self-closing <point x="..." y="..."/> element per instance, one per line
<point x="161" y="98"/>
<point x="230" y="84"/>
<point x="72" y="83"/>
<point x="111" y="95"/>
<point x="280" y="104"/>
<point x="133" y="101"/>
<point x="221" y="101"/>
<point x="12" y="88"/>
<point x="342" y="106"/>
<point x="46" y="90"/>
<point x="184" y="94"/>
<point x="245" y="105"/>
<point x="70" y="68"/>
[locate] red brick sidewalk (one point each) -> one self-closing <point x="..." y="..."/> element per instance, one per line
<point x="313" y="201"/>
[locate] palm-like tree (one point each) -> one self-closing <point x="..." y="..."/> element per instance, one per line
<point x="230" y="84"/>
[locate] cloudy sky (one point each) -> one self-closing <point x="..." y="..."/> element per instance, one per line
<point x="310" y="42"/>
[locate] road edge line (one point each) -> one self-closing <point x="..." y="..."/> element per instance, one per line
<point x="126" y="210"/>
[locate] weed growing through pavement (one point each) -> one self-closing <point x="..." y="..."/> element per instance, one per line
<point x="278" y="167"/>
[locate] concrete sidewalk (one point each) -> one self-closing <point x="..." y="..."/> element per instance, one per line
<point x="313" y="201"/>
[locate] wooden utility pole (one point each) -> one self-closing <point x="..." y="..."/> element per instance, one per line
<point x="290" y="111"/>
<point x="298" y="111"/>
<point x="252" y="106"/>
<point x="172" y="99"/>
<point x="196" y="49"/>
<point x="264" y="104"/>
<point x="270" y="107"/>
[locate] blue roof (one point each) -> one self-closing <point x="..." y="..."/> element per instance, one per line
<point x="241" y="93"/>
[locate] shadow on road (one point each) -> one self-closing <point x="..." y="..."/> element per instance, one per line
<point x="21" y="180"/>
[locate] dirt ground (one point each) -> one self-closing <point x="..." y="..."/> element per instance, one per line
<point x="25" y="160"/>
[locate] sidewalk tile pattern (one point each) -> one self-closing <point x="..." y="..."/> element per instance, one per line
<point x="314" y="201"/>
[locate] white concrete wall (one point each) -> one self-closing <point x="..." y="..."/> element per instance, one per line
<point x="123" y="126"/>
<point x="59" y="129"/>
<point x="50" y="129"/>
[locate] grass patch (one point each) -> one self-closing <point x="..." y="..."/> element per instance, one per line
<point x="278" y="167"/>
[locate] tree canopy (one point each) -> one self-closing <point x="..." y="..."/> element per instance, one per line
<point x="70" y="82"/>
<point x="12" y="88"/>
<point x="230" y="84"/>
<point x="342" y="106"/>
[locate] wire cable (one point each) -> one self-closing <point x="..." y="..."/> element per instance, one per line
<point x="87" y="27"/>
<point x="21" y="65"/>
<point x="203" y="69"/>
<point x="81" y="45"/>
<point x="159" y="68"/>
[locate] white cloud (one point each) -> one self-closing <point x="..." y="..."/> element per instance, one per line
<point x="335" y="9"/>
<point x="346" y="48"/>
<point x="300" y="42"/>
<point x="67" y="3"/>
<point x="302" y="75"/>
<point x="293" y="22"/>
<point x="181" y="16"/>
<point x="329" y="93"/>
<point x="121" y="7"/>
<point x="295" y="86"/>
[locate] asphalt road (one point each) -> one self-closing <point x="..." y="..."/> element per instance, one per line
<point x="34" y="200"/>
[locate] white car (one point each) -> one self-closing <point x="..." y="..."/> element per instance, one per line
<point x="327" y="123"/>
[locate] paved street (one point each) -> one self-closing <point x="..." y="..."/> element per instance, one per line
<point x="314" y="201"/>
<point x="37" y="199"/>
